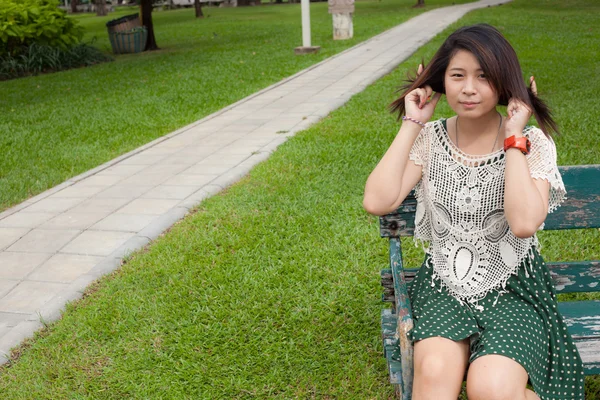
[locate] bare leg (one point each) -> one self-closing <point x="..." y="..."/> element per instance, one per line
<point x="440" y="366"/>
<point x="496" y="377"/>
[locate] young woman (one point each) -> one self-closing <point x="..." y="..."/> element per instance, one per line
<point x="483" y="300"/>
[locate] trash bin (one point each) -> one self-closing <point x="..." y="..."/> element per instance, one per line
<point x="125" y="23"/>
<point x="127" y="35"/>
<point x="132" y="41"/>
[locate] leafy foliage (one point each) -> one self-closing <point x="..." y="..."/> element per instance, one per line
<point x="38" y="58"/>
<point x="23" y="22"/>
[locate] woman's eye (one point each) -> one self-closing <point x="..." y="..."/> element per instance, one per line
<point x="483" y="76"/>
<point x="456" y="75"/>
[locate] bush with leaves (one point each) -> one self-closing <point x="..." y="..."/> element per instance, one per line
<point x="24" y="22"/>
<point x="39" y="58"/>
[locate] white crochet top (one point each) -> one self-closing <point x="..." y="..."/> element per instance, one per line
<point x="460" y="211"/>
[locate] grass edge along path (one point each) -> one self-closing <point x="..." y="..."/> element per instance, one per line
<point x="57" y="126"/>
<point x="271" y="289"/>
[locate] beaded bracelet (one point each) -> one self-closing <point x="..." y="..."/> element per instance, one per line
<point x="405" y="118"/>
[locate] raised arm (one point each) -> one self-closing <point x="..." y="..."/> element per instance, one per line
<point x="395" y="175"/>
<point x="525" y="199"/>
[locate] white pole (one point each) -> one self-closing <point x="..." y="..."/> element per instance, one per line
<point x="306" y="23"/>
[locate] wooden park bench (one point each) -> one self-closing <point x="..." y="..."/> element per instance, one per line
<point x="580" y="210"/>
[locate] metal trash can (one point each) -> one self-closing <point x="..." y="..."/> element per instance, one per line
<point x="127" y="35"/>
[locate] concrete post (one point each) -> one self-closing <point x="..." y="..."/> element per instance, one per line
<point x="306" y="46"/>
<point x="341" y="11"/>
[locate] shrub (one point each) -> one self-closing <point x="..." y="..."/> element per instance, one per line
<point x="24" y="22"/>
<point x="38" y="58"/>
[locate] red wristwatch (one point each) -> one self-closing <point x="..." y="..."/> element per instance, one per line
<point x="521" y="143"/>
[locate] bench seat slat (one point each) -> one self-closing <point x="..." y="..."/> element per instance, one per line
<point x="582" y="318"/>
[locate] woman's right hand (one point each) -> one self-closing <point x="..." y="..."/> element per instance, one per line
<point x="419" y="104"/>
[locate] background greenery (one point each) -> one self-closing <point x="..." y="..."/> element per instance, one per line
<point x="271" y="289"/>
<point x="59" y="125"/>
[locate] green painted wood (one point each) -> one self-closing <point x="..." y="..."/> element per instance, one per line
<point x="404" y="313"/>
<point x="582" y="318"/>
<point x="577" y="276"/>
<point x="582" y="207"/>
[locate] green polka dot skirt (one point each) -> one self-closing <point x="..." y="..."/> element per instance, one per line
<point x="523" y="324"/>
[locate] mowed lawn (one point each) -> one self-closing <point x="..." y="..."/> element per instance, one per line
<point x="56" y="126"/>
<point x="270" y="290"/>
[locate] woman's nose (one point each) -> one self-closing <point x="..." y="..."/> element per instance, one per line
<point x="468" y="87"/>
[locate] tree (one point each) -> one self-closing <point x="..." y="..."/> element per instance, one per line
<point x="74" y="6"/>
<point x="420" y="3"/>
<point x="101" y="8"/>
<point x="146" y="11"/>
<point x="198" y="7"/>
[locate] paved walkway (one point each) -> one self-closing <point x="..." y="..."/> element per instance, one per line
<point x="54" y="245"/>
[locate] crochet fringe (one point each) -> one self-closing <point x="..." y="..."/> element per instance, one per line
<point x="500" y="289"/>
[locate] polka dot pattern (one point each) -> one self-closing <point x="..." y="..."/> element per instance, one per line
<point x="522" y="323"/>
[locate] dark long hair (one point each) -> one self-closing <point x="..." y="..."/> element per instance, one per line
<point x="498" y="61"/>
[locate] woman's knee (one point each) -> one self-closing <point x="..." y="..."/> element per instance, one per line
<point x="496" y="378"/>
<point x="433" y="367"/>
<point x="493" y="389"/>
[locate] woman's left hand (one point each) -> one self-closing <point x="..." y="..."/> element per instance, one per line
<point x="518" y="116"/>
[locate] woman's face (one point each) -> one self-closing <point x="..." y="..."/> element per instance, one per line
<point x="468" y="91"/>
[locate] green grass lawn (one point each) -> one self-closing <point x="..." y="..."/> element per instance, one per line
<point x="270" y="290"/>
<point x="56" y="126"/>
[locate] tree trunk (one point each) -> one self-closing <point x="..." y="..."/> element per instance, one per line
<point x="101" y="10"/>
<point x="74" y="6"/>
<point x="420" y="3"/>
<point x="198" y="7"/>
<point x="146" y="11"/>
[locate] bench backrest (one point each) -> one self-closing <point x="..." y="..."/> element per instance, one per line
<point x="580" y="210"/>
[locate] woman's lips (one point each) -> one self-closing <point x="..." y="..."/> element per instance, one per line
<point x="469" y="104"/>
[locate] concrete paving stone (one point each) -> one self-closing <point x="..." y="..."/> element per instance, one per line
<point x="96" y="243"/>
<point x="54" y="204"/>
<point x="198" y="150"/>
<point x="148" y="206"/>
<point x="8" y="236"/>
<point x="28" y="296"/>
<point x="202" y="169"/>
<point x="25" y="220"/>
<point x="143" y="159"/>
<point x="235" y="134"/>
<point x="167" y="169"/>
<point x="15" y="265"/>
<point x="196" y="181"/>
<point x="6" y="285"/>
<point x="158" y="151"/>
<point x="179" y="141"/>
<point x="124" y="222"/>
<point x="163" y="223"/>
<point x="123" y="191"/>
<point x="197" y="197"/>
<point x="44" y="240"/>
<point x="239" y="149"/>
<point x="100" y="205"/>
<point x="16" y="335"/>
<point x="73" y="220"/>
<point x="9" y="321"/>
<point x="64" y="268"/>
<point x="218" y="141"/>
<point x="123" y="170"/>
<point x="220" y="159"/>
<point x="147" y="179"/>
<point x="101" y="180"/>
<point x="79" y="191"/>
<point x="251" y="141"/>
<point x="169" y="192"/>
<point x="185" y="159"/>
